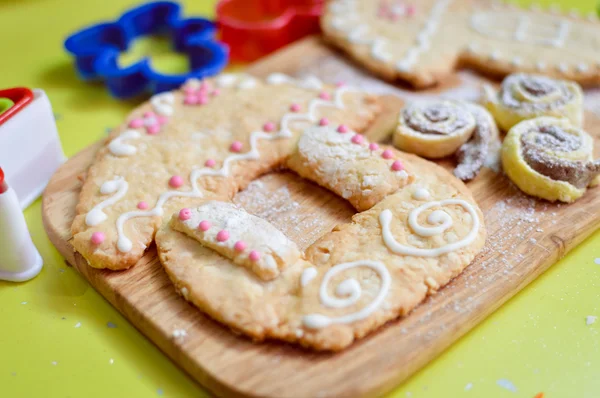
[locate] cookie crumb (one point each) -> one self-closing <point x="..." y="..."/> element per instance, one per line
<point x="590" y="319"/>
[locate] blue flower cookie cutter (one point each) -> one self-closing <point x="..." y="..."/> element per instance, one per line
<point x="97" y="47"/>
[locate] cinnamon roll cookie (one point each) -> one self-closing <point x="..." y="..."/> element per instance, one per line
<point x="441" y="128"/>
<point x="525" y="96"/>
<point x="550" y="158"/>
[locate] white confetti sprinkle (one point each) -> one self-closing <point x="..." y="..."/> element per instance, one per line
<point x="179" y="333"/>
<point x="23" y="302"/>
<point x="506" y="384"/>
<point x="590" y="319"/>
<point x="111" y="361"/>
<point x="54" y="363"/>
<point x="597" y="261"/>
<point x="468" y="386"/>
<point x="78" y="325"/>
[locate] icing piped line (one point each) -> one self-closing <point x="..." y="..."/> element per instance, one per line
<point x="163" y="103"/>
<point x="309" y="82"/>
<point x="118" y="148"/>
<point x="124" y="244"/>
<point x="439" y="217"/>
<point x="351" y="290"/>
<point x="119" y="187"/>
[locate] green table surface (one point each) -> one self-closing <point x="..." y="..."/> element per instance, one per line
<point x="60" y="338"/>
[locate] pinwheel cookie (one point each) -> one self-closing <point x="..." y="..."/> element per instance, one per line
<point x="442" y="128"/>
<point x="523" y="96"/>
<point x="423" y="41"/>
<point x="550" y="158"/>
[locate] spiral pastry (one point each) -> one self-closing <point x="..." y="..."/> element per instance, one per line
<point x="442" y="128"/>
<point x="524" y="96"/>
<point x="550" y="158"/>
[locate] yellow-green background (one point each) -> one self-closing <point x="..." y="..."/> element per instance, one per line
<point x="539" y="340"/>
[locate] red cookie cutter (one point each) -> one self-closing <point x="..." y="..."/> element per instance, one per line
<point x="253" y="28"/>
<point x="21" y="96"/>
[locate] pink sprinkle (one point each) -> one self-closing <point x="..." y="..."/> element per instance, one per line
<point x="240" y="246"/>
<point x="387" y="154"/>
<point x="358" y="139"/>
<point x="210" y="163"/>
<point x="216" y="92"/>
<point x="343" y="129"/>
<point x="190" y="99"/>
<point x="295" y="107"/>
<point x="325" y="95"/>
<point x="340" y="83"/>
<point x="203" y="100"/>
<point x="254" y="256"/>
<point x="176" y="181"/>
<point x="204" y="225"/>
<point x="222" y="235"/>
<point x="153" y="130"/>
<point x="397" y="165"/>
<point x="269" y="126"/>
<point x="323" y="122"/>
<point x="142" y="205"/>
<point x="136" y="123"/>
<point x="149" y="114"/>
<point x="204" y="86"/>
<point x="98" y="238"/>
<point x="162" y="119"/>
<point x="410" y="10"/>
<point x="373" y="146"/>
<point x="185" y="214"/>
<point x="189" y="90"/>
<point x="236" y="146"/>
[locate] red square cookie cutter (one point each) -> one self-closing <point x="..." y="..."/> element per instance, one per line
<point x="20" y="96"/>
<point x="254" y="28"/>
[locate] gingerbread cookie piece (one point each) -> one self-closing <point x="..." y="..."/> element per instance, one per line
<point x="549" y="158"/>
<point x="441" y="128"/>
<point x="203" y="142"/>
<point x="523" y="96"/>
<point x="423" y="41"/>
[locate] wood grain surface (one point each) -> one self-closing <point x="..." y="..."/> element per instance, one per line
<point x="526" y="236"/>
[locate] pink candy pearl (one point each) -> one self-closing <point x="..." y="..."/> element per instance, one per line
<point x="190" y="99"/>
<point x="154" y="129"/>
<point x="149" y="114"/>
<point x="343" y="129"/>
<point x="162" y="119"/>
<point x="216" y="92"/>
<point x="240" y="246"/>
<point x="357" y="139"/>
<point x="176" y="181"/>
<point x="236" y="146"/>
<point x="222" y="235"/>
<point x="203" y="100"/>
<point x="269" y="126"/>
<point x="373" y="146"/>
<point x="204" y="225"/>
<point x="210" y="163"/>
<point x="185" y="214"/>
<point x="323" y="122"/>
<point x="324" y="95"/>
<point x="410" y="10"/>
<point x="189" y="90"/>
<point x="254" y="256"/>
<point x="340" y="84"/>
<point x="142" y="205"/>
<point x="97" y="238"/>
<point x="136" y="123"/>
<point x="387" y="154"/>
<point x="295" y="108"/>
<point x="397" y="165"/>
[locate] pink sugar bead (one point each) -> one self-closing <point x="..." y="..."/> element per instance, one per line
<point x="295" y="107"/>
<point x="210" y="163"/>
<point x="216" y="92"/>
<point x="153" y="130"/>
<point x="269" y="126"/>
<point x="189" y="90"/>
<point x="236" y="146"/>
<point x="397" y="166"/>
<point x="97" y="238"/>
<point x="162" y="119"/>
<point x="185" y="214"/>
<point x="204" y="86"/>
<point x="222" y="235"/>
<point x="387" y="154"/>
<point x="202" y="100"/>
<point x="240" y="246"/>
<point x="204" y="225"/>
<point x="342" y="128"/>
<point x="190" y="99"/>
<point x="149" y="114"/>
<point x="136" y="123"/>
<point x="142" y="205"/>
<point x="410" y="10"/>
<point x="340" y="84"/>
<point x="324" y="95"/>
<point x="357" y="139"/>
<point x="373" y="146"/>
<point x="254" y="256"/>
<point x="176" y="181"/>
<point x="323" y="122"/>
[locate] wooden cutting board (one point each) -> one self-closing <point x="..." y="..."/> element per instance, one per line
<point x="525" y="237"/>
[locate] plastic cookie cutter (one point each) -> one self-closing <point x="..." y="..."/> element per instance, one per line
<point x="253" y="28"/>
<point x="30" y="150"/>
<point x="96" y="49"/>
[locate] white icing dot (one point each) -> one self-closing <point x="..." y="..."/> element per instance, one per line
<point x="307" y="276"/>
<point x="540" y="65"/>
<point x="421" y="194"/>
<point x="495" y="55"/>
<point x="226" y="80"/>
<point x="247" y="83"/>
<point x="582" y="67"/>
<point x="472" y="48"/>
<point x="184" y="292"/>
<point x="562" y="67"/>
<point x="516" y="61"/>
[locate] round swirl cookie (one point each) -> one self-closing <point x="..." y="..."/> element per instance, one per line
<point x="549" y="158"/>
<point x="441" y="128"/>
<point x="417" y="228"/>
<point x="524" y="96"/>
<point x="202" y="142"/>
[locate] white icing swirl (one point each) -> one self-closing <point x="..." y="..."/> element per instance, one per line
<point x="440" y="221"/>
<point x="163" y="103"/>
<point x="351" y="291"/>
<point x="96" y="215"/>
<point x="118" y="148"/>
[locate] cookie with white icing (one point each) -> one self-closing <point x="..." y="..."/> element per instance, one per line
<point x="423" y="41"/>
<point x="438" y="129"/>
<point x="203" y="142"/>
<point x="415" y="234"/>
